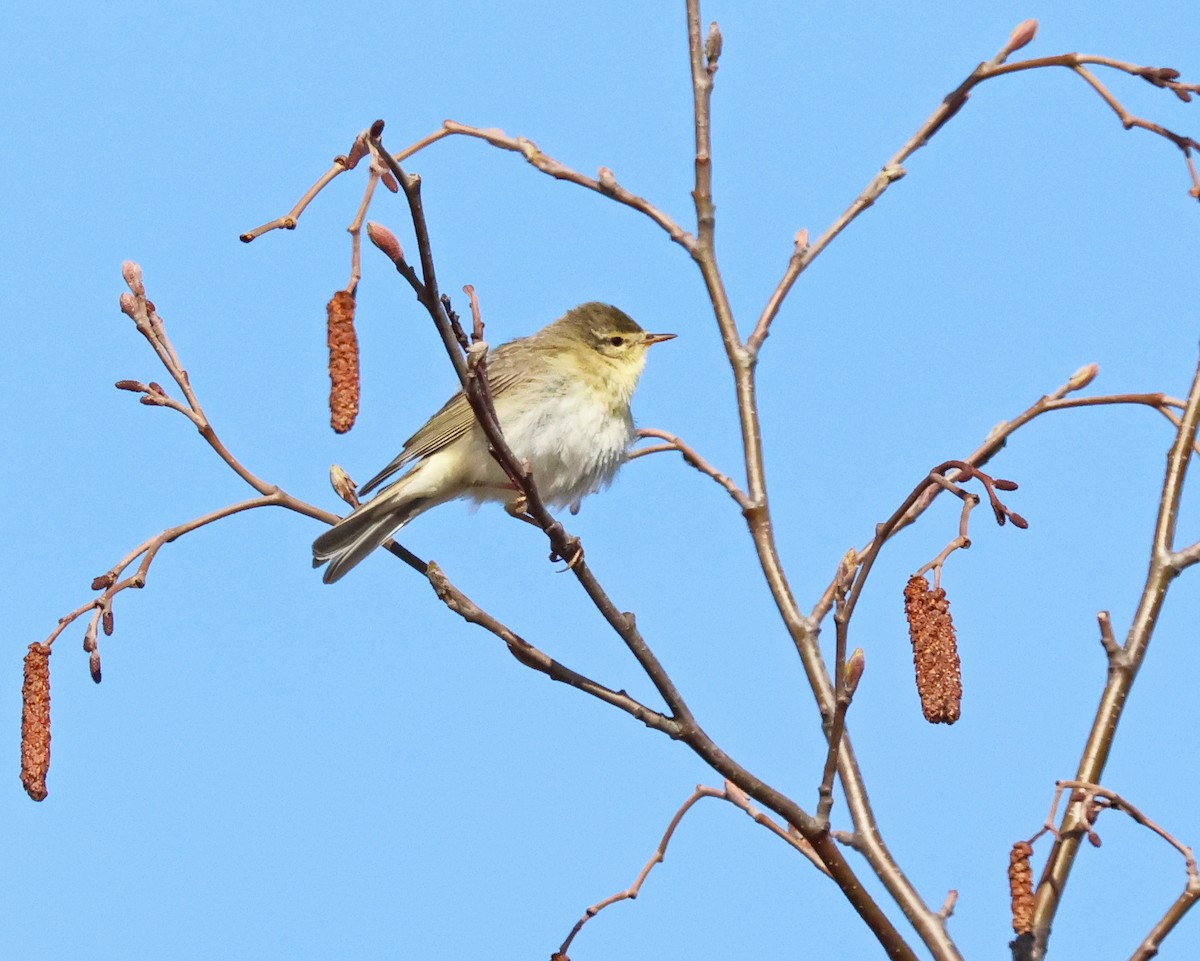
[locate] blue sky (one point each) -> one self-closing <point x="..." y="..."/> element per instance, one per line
<point x="277" y="769"/>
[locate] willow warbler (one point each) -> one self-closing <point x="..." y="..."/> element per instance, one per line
<point x="562" y="398"/>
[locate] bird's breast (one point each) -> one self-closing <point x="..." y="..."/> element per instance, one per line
<point x="573" y="443"/>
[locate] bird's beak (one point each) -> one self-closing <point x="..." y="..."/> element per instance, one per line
<point x="658" y="338"/>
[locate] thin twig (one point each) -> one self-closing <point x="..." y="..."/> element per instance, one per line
<point x="1091" y="799"/>
<point x="693" y="459"/>
<point x="1163" y="570"/>
<point x="997" y="439"/>
<point x="893" y="169"/>
<point x="730" y="793"/>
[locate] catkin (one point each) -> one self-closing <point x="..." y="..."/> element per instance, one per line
<point x="35" y="721"/>
<point x="1020" y="884"/>
<point x="343" y="362"/>
<point x="935" y="651"/>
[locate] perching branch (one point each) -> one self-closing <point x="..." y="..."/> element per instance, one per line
<point x="475" y="387"/>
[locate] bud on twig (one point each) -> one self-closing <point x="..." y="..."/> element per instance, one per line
<point x="712" y="46"/>
<point x="1020" y="886"/>
<point x="35" y="721"/>
<point x="1082" y="377"/>
<point x="1023" y="34"/>
<point x="342" y="485"/>
<point x="132" y="275"/>
<point x="386" y="241"/>
<point x="358" y="150"/>
<point x="343" y="361"/>
<point x="855" y="664"/>
<point x="476" y="354"/>
<point x="935" y="651"/>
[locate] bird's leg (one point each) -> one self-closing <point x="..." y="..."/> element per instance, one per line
<point x="518" y="507"/>
<point x="576" y="554"/>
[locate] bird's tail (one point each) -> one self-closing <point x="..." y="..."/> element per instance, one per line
<point x="360" y="532"/>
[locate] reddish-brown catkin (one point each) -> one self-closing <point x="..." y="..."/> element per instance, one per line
<point x="1020" y="884"/>
<point x="935" y="651"/>
<point x="343" y="362"/>
<point x="35" y="721"/>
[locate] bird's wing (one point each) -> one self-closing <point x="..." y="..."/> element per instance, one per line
<point x="450" y="423"/>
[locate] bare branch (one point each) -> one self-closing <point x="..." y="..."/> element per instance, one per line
<point x="1088" y="801"/>
<point x="730" y="793"/>
<point x="893" y="169"/>
<point x="693" y="459"/>
<point x="1163" y="570"/>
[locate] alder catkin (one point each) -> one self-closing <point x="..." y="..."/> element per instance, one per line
<point x="1020" y="884"/>
<point x="935" y="651"/>
<point x="343" y="362"/>
<point x="35" y="721"/>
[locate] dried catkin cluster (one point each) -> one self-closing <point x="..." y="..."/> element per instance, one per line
<point x="343" y="362"/>
<point x="35" y="721"/>
<point x="1020" y="884"/>
<point x="935" y="651"/>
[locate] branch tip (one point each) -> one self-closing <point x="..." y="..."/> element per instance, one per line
<point x="1082" y="377"/>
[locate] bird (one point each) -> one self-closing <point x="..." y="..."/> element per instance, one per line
<point x="562" y="398"/>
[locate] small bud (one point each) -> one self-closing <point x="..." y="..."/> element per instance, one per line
<point x="1018" y="520"/>
<point x="342" y="485"/>
<point x="1023" y="34"/>
<point x="89" y="637"/>
<point x="104" y="581"/>
<point x="106" y="621"/>
<point x="386" y="178"/>
<point x="386" y="241"/>
<point x="712" y="45"/>
<point x="1082" y="377"/>
<point x="132" y="275"/>
<point x="94" y="666"/>
<point x="1004" y="485"/>
<point x="128" y="305"/>
<point x="801" y="239"/>
<point x="358" y="150"/>
<point x="855" y="664"/>
<point x="1093" y="839"/>
<point x="343" y="361"/>
<point x="134" y="385"/>
<point x="1020" y="886"/>
<point x="847" y="566"/>
<point x="607" y="179"/>
<point x="476" y="354"/>
<point x="935" y="651"/>
<point x="1159" y="76"/>
<point x="376" y="130"/>
<point x="35" y="721"/>
<point x="736" y="794"/>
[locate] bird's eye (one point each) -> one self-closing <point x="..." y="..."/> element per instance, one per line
<point x="616" y="341"/>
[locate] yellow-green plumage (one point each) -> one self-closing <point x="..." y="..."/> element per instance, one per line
<point x="562" y="398"/>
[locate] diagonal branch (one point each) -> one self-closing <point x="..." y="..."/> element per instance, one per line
<point x="1162" y="571"/>
<point x="804" y="253"/>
